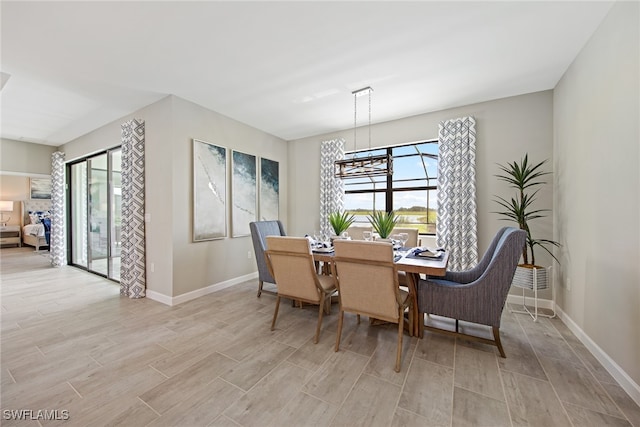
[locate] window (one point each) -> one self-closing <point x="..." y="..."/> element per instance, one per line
<point x="411" y="191"/>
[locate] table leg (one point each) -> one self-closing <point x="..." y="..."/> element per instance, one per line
<point x="413" y="290"/>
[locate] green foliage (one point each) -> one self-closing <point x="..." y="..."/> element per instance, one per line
<point x="383" y="223"/>
<point x="522" y="176"/>
<point x="340" y="221"/>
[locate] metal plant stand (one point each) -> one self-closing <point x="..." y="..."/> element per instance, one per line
<point x="533" y="278"/>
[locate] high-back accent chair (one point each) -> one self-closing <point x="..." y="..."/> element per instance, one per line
<point x="290" y="262"/>
<point x="356" y="231"/>
<point x="367" y="281"/>
<point x="413" y="240"/>
<point x="477" y="295"/>
<point x="259" y="232"/>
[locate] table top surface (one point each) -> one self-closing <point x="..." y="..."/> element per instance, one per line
<point x="431" y="267"/>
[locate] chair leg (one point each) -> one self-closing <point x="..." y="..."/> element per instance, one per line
<point x="411" y="319"/>
<point x="340" y="318"/>
<point x="496" y="337"/>
<point x="456" y="325"/>
<point x="400" y="333"/>
<point x="260" y="283"/>
<point x="358" y="317"/>
<point x="320" y="313"/>
<point x="275" y="313"/>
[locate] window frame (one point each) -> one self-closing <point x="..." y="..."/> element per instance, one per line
<point x="390" y="187"/>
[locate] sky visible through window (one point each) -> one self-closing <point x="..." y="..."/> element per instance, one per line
<point x="414" y="190"/>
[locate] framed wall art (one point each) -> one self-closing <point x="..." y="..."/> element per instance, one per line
<point x="40" y="188"/>
<point x="209" y="191"/>
<point x="243" y="192"/>
<point x="269" y="190"/>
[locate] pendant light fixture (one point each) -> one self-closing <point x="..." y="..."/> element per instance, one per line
<point x="366" y="166"/>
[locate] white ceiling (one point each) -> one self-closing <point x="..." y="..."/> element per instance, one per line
<point x="287" y="68"/>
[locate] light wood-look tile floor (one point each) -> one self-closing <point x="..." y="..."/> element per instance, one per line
<point x="70" y="343"/>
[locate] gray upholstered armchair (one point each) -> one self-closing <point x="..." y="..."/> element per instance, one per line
<point x="259" y="232"/>
<point x="477" y="295"/>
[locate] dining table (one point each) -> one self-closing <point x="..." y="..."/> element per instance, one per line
<point x="413" y="265"/>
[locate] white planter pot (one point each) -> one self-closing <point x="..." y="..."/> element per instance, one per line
<point x="528" y="275"/>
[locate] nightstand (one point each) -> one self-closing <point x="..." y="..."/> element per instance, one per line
<point x="11" y="235"/>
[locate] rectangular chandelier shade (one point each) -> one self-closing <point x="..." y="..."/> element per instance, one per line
<point x="357" y="167"/>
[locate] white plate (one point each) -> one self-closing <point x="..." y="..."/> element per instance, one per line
<point x="323" y="250"/>
<point x="429" y="254"/>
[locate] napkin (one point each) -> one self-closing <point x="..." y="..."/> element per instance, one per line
<point x="428" y="253"/>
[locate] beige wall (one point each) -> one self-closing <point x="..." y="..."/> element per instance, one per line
<point x="25" y="158"/>
<point x="597" y="153"/>
<point x="19" y="161"/>
<point x="180" y="265"/>
<point x="506" y="130"/>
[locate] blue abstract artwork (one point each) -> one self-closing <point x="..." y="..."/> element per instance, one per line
<point x="269" y="190"/>
<point x="243" y="193"/>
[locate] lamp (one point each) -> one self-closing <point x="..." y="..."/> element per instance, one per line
<point x="5" y="206"/>
<point x="356" y="167"/>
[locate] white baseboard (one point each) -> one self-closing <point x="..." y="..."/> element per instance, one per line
<point x="625" y="381"/>
<point x="542" y="303"/>
<point x="171" y="301"/>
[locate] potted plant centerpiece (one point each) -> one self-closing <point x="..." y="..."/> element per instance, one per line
<point x="526" y="179"/>
<point x="340" y="222"/>
<point x="383" y="223"/>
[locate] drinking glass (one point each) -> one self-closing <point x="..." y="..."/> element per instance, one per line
<point x="368" y="235"/>
<point x="403" y="238"/>
<point x="395" y="240"/>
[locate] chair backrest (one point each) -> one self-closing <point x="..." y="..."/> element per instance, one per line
<point x="356" y="231"/>
<point x="367" y="278"/>
<point x="259" y="232"/>
<point x="412" y="242"/>
<point x="291" y="264"/>
<point x="502" y="265"/>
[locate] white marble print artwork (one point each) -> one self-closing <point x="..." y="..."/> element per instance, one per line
<point x="243" y="193"/>
<point x="269" y="190"/>
<point x="209" y="191"/>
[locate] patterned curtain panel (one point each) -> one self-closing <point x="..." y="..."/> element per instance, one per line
<point x="331" y="188"/>
<point x="57" y="243"/>
<point x="457" y="221"/>
<point x="132" y="255"/>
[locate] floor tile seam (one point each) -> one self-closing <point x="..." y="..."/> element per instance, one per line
<point x="346" y="397"/>
<point x="267" y="374"/>
<point x="623" y="417"/>
<point x="74" y="389"/>
<point x="219" y="377"/>
<point x="159" y="371"/>
<point x="11" y="376"/>
<point x="504" y="393"/>
<point x="555" y="392"/>
<point x="435" y="363"/>
<point x="616" y="403"/>
<point x="336" y="405"/>
<point x="404" y="380"/>
<point x="597" y="383"/>
<point x="511" y="371"/>
<point x="303" y="367"/>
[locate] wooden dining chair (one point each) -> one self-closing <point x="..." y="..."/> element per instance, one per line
<point x="367" y="282"/>
<point x="290" y="262"/>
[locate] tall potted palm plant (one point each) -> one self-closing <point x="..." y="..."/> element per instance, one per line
<point x="526" y="179"/>
<point x="383" y="223"/>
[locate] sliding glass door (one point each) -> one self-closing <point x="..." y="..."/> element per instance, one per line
<point x="95" y="209"/>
